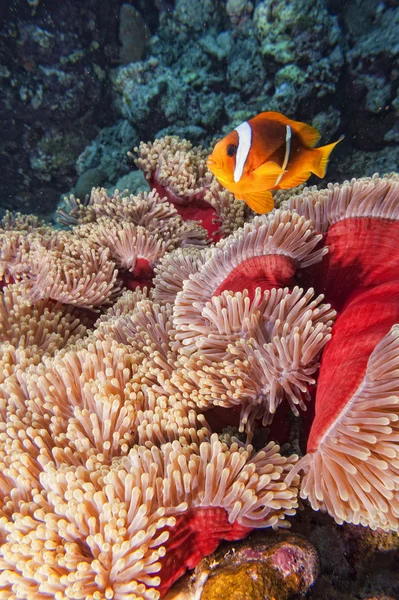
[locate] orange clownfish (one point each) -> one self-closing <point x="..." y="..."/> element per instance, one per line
<point x="269" y="152"/>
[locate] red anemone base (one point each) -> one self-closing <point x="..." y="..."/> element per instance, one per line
<point x="197" y="533"/>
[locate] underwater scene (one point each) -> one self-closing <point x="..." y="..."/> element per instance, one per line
<point x="199" y="299"/>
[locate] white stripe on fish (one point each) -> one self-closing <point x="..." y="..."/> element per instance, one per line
<point x="244" y="146"/>
<point x="287" y="152"/>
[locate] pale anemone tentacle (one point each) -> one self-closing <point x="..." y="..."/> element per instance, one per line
<point x="281" y="233"/>
<point x="260" y="353"/>
<point x="178" y="165"/>
<point x="174" y="268"/>
<point x="232" y="213"/>
<point x="108" y="324"/>
<point x="147" y="209"/>
<point x="88" y="282"/>
<point x="179" y="169"/>
<point x="365" y="197"/>
<point x="128" y="242"/>
<point x="354" y="473"/>
<point x="108" y="530"/>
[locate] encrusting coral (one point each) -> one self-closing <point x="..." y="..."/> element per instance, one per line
<point x="265" y="565"/>
<point x="114" y="478"/>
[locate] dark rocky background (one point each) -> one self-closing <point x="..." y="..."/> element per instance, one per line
<point x="82" y="82"/>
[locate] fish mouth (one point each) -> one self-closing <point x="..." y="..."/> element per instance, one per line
<point x="211" y="161"/>
<point x="217" y="171"/>
<point x="212" y="166"/>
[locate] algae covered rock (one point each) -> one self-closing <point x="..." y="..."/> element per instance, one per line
<point x="266" y="565"/>
<point x="371" y="76"/>
<point x="108" y="151"/>
<point x="295" y="30"/>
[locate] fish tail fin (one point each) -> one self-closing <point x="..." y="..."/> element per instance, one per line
<point x="320" y="157"/>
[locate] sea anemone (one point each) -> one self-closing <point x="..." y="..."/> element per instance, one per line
<point x="105" y="475"/>
<point x="112" y="480"/>
<point x="135" y="526"/>
<point x="174" y="268"/>
<point x="232" y="213"/>
<point x="137" y="230"/>
<point x="353" y="216"/>
<point x="146" y="209"/>
<point x="29" y="332"/>
<point x="115" y="241"/>
<point x="86" y="280"/>
<point x="86" y="506"/>
<point x="18" y="234"/>
<point x="108" y="324"/>
<point x="176" y="166"/>
<point x="177" y="170"/>
<point x="352" y="467"/>
<point x="265" y="254"/>
<point x="58" y="266"/>
<point x="252" y="355"/>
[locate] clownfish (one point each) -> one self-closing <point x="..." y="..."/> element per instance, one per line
<point x="268" y="152"/>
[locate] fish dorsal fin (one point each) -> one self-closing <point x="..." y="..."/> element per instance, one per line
<point x="308" y="134"/>
<point x="265" y="176"/>
<point x="260" y="202"/>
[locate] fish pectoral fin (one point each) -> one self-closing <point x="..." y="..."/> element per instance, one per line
<point x="266" y="175"/>
<point x="260" y="202"/>
<point x="297" y="179"/>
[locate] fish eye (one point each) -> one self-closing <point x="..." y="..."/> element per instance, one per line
<point x="231" y="150"/>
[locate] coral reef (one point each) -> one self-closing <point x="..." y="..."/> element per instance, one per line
<point x="53" y="69"/>
<point x="258" y="64"/>
<point x="160" y="344"/>
<point x="239" y="11"/>
<point x="133" y="34"/>
<point x="188" y="72"/>
<point x="303" y="44"/>
<point x="107" y="155"/>
<point x="370" y="79"/>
